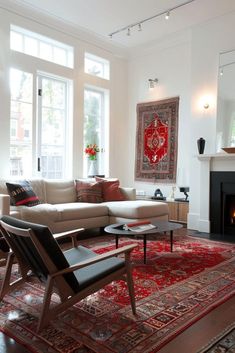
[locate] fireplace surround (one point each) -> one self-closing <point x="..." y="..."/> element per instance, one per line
<point x="199" y="212"/>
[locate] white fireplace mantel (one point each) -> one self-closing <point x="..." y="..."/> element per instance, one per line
<point x="221" y="162"/>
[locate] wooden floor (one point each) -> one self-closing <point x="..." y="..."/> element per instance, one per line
<point x="189" y="341"/>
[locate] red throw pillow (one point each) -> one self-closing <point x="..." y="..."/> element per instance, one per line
<point x="88" y="192"/>
<point x="111" y="190"/>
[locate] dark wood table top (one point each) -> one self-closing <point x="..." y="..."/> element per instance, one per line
<point x="161" y="226"/>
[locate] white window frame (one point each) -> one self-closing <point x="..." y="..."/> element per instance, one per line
<point x="99" y="60"/>
<point x="54" y="44"/>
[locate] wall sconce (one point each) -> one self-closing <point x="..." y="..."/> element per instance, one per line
<point x="206" y="105"/>
<point x="152" y="82"/>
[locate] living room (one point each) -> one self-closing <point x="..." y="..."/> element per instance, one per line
<point x="184" y="58"/>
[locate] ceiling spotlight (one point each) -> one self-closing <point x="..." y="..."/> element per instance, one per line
<point x="152" y="82"/>
<point x="128" y="32"/>
<point x="167" y="15"/>
<point x="139" y="27"/>
<point x="221" y="72"/>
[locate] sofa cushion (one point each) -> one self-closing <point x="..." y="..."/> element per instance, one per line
<point x="43" y="214"/>
<point x="111" y="190"/>
<point x="88" y="191"/>
<point x="80" y="210"/>
<point x="137" y="209"/>
<point x="60" y="191"/>
<point x="22" y="193"/>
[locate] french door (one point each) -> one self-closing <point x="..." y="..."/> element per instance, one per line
<point x="52" y="127"/>
<point x="39" y="125"/>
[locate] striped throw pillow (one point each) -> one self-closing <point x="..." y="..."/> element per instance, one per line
<point x="22" y="194"/>
<point x="88" y="191"/>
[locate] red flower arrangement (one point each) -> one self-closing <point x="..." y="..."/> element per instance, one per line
<point x="91" y="151"/>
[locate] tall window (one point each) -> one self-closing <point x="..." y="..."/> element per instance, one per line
<point x="96" y="125"/>
<point x="21" y="84"/>
<point x="39" y="146"/>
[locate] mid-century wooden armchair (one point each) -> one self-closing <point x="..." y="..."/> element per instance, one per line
<point x="72" y="274"/>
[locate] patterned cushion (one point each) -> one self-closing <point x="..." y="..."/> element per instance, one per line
<point x="89" y="191"/>
<point x="111" y="190"/>
<point x="22" y="194"/>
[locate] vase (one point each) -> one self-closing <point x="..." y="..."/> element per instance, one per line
<point x="201" y="145"/>
<point x="93" y="168"/>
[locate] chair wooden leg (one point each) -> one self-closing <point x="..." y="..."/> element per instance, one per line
<point x="6" y="280"/>
<point x="130" y="285"/>
<point x="7" y="285"/>
<point x="45" y="313"/>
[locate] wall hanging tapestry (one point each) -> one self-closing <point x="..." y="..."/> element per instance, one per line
<point x="156" y="141"/>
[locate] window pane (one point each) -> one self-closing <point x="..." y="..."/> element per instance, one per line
<point x="20" y="156"/>
<point x="59" y="56"/>
<point x="53" y="93"/>
<point x="96" y="66"/>
<point x="21" y="84"/>
<point x="52" y="162"/>
<point x="16" y="41"/>
<point x="92" y="107"/>
<point x="31" y="46"/>
<point x="45" y="51"/>
<point x="53" y="127"/>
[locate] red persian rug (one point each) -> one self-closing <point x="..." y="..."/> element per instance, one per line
<point x="173" y="290"/>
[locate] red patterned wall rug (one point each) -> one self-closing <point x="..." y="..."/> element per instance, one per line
<point x="157" y="141"/>
<point x="173" y="290"/>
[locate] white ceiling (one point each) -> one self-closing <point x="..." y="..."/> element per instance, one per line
<point x="101" y="17"/>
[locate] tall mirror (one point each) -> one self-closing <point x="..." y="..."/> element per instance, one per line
<point x="225" y="129"/>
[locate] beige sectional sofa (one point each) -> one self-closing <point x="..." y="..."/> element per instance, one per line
<point x="60" y="210"/>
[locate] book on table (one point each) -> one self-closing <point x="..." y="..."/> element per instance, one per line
<point x="139" y="227"/>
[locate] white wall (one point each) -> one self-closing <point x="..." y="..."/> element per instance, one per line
<point x="208" y="40"/>
<point x="187" y="66"/>
<point x="169" y="61"/>
<point x="117" y="87"/>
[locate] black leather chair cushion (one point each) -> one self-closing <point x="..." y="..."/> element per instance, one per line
<point x="92" y="273"/>
<point x="30" y="254"/>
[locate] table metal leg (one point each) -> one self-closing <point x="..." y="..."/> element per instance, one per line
<point x="145" y="244"/>
<point x="116" y="241"/>
<point x="171" y="236"/>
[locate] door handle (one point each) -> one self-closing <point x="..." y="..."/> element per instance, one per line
<point x="39" y="164"/>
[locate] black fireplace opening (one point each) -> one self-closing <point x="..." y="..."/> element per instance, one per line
<point x="222" y="203"/>
<point x="228" y="213"/>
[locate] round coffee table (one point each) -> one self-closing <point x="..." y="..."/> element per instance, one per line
<point x="161" y="226"/>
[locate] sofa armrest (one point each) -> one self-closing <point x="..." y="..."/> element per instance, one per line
<point x="129" y="193"/>
<point x="4" y="204"/>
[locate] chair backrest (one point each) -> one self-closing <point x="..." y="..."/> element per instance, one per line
<point x="35" y="245"/>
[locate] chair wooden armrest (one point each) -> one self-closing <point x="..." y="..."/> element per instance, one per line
<point x="125" y="249"/>
<point x="71" y="233"/>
